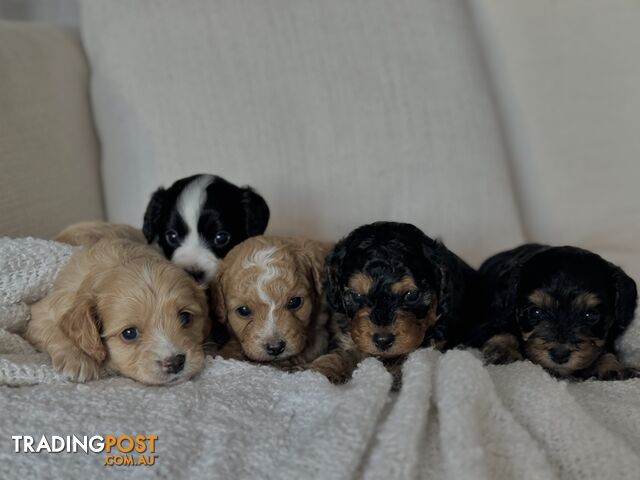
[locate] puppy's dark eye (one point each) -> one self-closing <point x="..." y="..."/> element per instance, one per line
<point x="243" y="311"/>
<point x="412" y="297"/>
<point x="185" y="318"/>
<point x="591" y="317"/>
<point x="294" y="303"/>
<point x="530" y="317"/>
<point x="536" y="313"/>
<point x="171" y="236"/>
<point x="221" y="239"/>
<point x="357" y="297"/>
<point x="129" y="334"/>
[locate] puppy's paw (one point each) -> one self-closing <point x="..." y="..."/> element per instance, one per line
<point x="77" y="366"/>
<point x="291" y="367"/>
<point x="610" y="374"/>
<point x="334" y="371"/>
<point x="334" y="376"/>
<point x="630" y="372"/>
<point x="501" y="349"/>
<point x="609" y="368"/>
<point x="500" y="356"/>
<point x="621" y="373"/>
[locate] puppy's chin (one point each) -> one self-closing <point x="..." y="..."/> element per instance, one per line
<point x="404" y="347"/>
<point x="148" y="371"/>
<point x="584" y="355"/>
<point x="407" y="330"/>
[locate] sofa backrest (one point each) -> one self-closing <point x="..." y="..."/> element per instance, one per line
<point x="568" y="77"/>
<point x="339" y="113"/>
<point x="49" y="174"/>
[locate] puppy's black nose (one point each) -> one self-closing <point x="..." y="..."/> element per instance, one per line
<point x="174" y="364"/>
<point x="275" y="349"/>
<point x="383" y="340"/>
<point x="198" y="275"/>
<point x="560" y="354"/>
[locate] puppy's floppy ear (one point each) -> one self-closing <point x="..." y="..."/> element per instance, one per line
<point x="256" y="212"/>
<point x="154" y="215"/>
<point x="314" y="254"/>
<point x="333" y="287"/>
<point x="626" y="298"/>
<point x="507" y="288"/>
<point x="450" y="275"/>
<point x="81" y="324"/>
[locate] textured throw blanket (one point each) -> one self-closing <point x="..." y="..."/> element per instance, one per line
<point x="453" y="418"/>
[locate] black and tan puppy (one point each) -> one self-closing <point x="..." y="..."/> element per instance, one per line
<point x="393" y="290"/>
<point x="560" y="307"/>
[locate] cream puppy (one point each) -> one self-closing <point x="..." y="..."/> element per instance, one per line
<point x="121" y="305"/>
<point x="270" y="294"/>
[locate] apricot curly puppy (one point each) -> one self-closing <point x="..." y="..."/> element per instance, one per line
<point x="270" y="294"/>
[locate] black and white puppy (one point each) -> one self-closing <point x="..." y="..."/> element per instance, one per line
<point x="198" y="219"/>
<point x="560" y="307"/>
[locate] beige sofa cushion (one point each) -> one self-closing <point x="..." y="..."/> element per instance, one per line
<point x="48" y="151"/>
<point x="340" y="113"/>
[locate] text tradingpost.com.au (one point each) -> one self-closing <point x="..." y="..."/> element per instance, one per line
<point x="121" y="450"/>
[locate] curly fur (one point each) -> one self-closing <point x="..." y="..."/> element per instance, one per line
<point x="563" y="306"/>
<point x="87" y="233"/>
<point x="113" y="286"/>
<point x="387" y="261"/>
<point x="263" y="274"/>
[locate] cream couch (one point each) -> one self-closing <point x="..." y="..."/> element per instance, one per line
<point x="486" y="122"/>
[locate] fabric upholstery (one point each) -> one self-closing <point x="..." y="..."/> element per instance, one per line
<point x="339" y="113"/>
<point x="568" y="77"/>
<point x="48" y="149"/>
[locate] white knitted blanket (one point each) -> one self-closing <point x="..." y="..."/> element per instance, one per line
<point x="454" y="418"/>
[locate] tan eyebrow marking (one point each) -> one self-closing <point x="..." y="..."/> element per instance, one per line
<point x="542" y="299"/>
<point x="586" y="300"/>
<point x="406" y="284"/>
<point x="360" y="283"/>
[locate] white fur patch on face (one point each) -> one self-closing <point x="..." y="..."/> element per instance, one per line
<point x="193" y="253"/>
<point x="264" y="260"/>
<point x="164" y="347"/>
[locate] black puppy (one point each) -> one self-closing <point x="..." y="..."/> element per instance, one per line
<point x="393" y="289"/>
<point x="560" y="307"/>
<point x="200" y="218"/>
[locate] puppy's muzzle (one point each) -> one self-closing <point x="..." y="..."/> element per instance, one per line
<point x="383" y="341"/>
<point x="197" y="275"/>
<point x="173" y="364"/>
